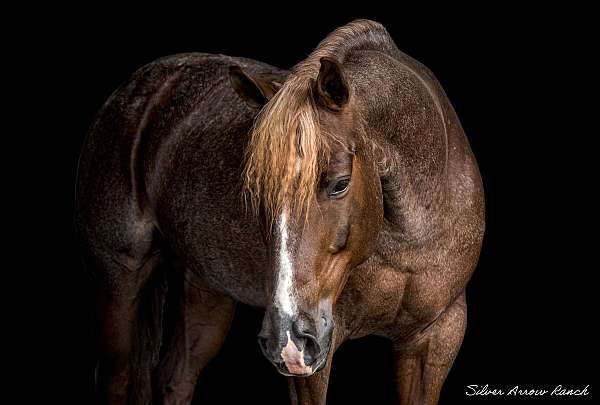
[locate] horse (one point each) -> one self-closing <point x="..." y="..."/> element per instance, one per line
<point x="341" y="196"/>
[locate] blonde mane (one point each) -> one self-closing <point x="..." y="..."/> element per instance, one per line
<point x="287" y="149"/>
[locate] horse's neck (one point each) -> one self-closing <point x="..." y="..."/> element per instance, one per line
<point x="422" y="211"/>
<point x="414" y="209"/>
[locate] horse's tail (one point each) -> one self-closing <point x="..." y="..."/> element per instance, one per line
<point x="147" y="337"/>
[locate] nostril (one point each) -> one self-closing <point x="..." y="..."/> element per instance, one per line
<point x="306" y="340"/>
<point x="312" y="349"/>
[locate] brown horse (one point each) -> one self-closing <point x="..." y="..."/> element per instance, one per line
<point x="341" y="196"/>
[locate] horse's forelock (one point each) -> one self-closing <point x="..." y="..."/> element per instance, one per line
<point x="286" y="151"/>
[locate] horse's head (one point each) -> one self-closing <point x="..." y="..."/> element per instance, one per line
<point x="315" y="181"/>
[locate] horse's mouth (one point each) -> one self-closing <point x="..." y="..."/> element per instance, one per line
<point x="282" y="369"/>
<point x="320" y="364"/>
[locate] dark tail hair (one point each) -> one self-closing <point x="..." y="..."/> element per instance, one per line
<point x="148" y="334"/>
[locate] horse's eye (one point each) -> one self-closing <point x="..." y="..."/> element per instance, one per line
<point x="339" y="187"/>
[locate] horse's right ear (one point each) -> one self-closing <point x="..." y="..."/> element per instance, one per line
<point x="256" y="91"/>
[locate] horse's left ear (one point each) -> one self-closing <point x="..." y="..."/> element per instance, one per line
<point x="331" y="87"/>
<point x="256" y="91"/>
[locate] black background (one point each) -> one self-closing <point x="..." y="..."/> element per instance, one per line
<point x="519" y="83"/>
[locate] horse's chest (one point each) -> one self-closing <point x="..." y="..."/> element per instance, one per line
<point x="371" y="299"/>
<point x="391" y="302"/>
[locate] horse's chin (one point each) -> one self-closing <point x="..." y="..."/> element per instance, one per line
<point x="288" y="374"/>
<point x="320" y="364"/>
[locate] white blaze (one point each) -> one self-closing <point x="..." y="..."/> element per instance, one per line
<point x="285" y="300"/>
<point x="284" y="296"/>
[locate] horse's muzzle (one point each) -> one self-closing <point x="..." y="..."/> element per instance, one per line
<point x="294" y="349"/>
